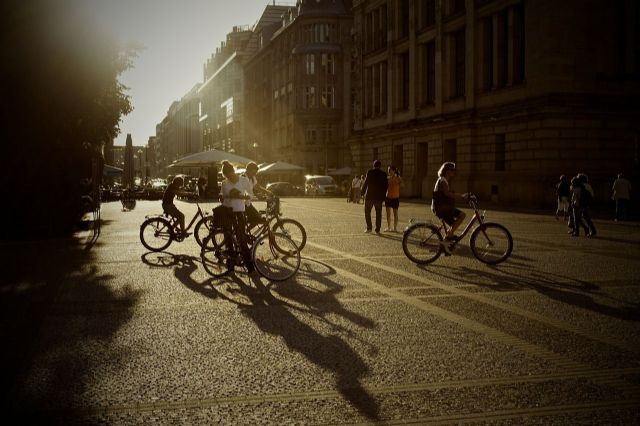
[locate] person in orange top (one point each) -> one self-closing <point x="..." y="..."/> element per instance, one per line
<point x="392" y="202"/>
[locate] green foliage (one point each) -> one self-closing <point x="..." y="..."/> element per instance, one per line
<point x="62" y="104"/>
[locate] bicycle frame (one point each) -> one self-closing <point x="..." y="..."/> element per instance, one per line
<point x="477" y="217"/>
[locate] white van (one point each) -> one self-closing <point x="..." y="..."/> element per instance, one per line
<point x="320" y="185"/>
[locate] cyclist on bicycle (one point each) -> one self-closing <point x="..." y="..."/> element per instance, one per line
<point x="169" y="208"/>
<point x="443" y="202"/>
<point x="253" y="216"/>
<point x="234" y="195"/>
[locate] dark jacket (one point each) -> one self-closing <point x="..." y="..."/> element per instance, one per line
<point x="375" y="185"/>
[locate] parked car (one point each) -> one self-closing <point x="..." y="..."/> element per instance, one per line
<point x="320" y="185"/>
<point x="285" y="189"/>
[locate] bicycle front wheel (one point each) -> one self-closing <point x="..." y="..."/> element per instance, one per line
<point x="292" y="229"/>
<point x="215" y="262"/>
<point x="276" y="257"/>
<point x="156" y="234"/>
<point x="421" y="243"/>
<point x="491" y="243"/>
<point x="203" y="229"/>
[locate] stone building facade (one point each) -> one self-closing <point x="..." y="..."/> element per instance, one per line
<point x="516" y="92"/>
<point x="297" y="86"/>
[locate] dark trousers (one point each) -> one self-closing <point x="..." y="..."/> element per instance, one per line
<point x="582" y="218"/>
<point x="368" y="205"/>
<point x="622" y="206"/>
<point x="238" y="225"/>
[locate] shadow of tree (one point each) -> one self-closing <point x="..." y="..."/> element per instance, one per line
<point x="35" y="274"/>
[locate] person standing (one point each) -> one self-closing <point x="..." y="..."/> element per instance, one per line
<point x="375" y="191"/>
<point x="234" y="193"/>
<point x="392" y="201"/>
<point x="621" y="195"/>
<point x="564" y="193"/>
<point x="356" y="183"/>
<point x="581" y="197"/>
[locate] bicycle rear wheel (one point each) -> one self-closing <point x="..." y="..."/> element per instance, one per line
<point x="421" y="243"/>
<point x="276" y="257"/>
<point x="156" y="234"/>
<point x="292" y="229"/>
<point x="215" y="262"/>
<point x="491" y="243"/>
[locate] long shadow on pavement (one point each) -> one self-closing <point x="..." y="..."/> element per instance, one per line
<point x="275" y="316"/>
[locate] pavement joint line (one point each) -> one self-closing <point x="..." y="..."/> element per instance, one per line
<point x="516" y="413"/>
<point x="494" y="303"/>
<point x="589" y="374"/>
<point x="475" y="326"/>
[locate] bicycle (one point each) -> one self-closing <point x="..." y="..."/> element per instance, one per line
<point x="274" y="255"/>
<point x="490" y="243"/>
<point x="157" y="232"/>
<point x="272" y="216"/>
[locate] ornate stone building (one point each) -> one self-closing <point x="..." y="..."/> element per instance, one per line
<point x="297" y="86"/>
<point x="516" y="92"/>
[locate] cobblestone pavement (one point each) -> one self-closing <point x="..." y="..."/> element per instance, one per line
<point x="103" y="331"/>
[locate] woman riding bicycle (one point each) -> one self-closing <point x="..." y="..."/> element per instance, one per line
<point x="234" y="194"/>
<point x="169" y="208"/>
<point x="443" y="202"/>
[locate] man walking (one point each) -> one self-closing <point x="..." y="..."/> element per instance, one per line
<point x="621" y="195"/>
<point x="375" y="190"/>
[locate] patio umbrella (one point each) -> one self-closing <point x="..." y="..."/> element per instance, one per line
<point x="207" y="158"/>
<point x="111" y="171"/>
<point x="278" y="167"/>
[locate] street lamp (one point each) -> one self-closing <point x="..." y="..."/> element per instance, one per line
<point x="255" y="150"/>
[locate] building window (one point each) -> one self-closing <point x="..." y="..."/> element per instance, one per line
<point x="328" y="61"/>
<point x="309" y="97"/>
<point x="428" y="51"/>
<point x="502" y="49"/>
<point x="403" y="81"/>
<point x="427" y="13"/>
<point x="500" y="147"/>
<point x="459" y="63"/>
<point x="403" y="19"/>
<point x="456" y="7"/>
<point x="487" y="53"/>
<point x="449" y="150"/>
<point x="376" y="89"/>
<point x="310" y="64"/>
<point x="328" y="96"/>
<point x="311" y="135"/>
<point x="398" y="156"/>
<point x="518" y="44"/>
<point x="375" y="29"/>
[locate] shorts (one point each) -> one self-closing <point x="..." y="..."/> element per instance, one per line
<point x="172" y="210"/>
<point x="451" y="216"/>
<point x="393" y="203"/>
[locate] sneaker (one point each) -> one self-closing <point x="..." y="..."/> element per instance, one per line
<point x="378" y="231"/>
<point x="367" y="231"/>
<point x="388" y="230"/>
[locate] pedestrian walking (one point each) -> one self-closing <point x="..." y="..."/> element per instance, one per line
<point x="374" y="189"/>
<point x="356" y="183"/>
<point x="392" y="201"/>
<point x="581" y="198"/>
<point x="563" y="192"/>
<point x="621" y="195"/>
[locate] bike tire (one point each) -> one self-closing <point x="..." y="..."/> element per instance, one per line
<point x="491" y="243"/>
<point x="292" y="229"/>
<point x="421" y="243"/>
<point x="156" y="234"/>
<point x="203" y="229"/>
<point x="214" y="261"/>
<point x="276" y="257"/>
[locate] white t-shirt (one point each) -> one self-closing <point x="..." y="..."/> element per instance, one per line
<point x="242" y="185"/>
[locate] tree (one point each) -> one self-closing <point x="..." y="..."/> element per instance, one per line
<point x="61" y="104"/>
